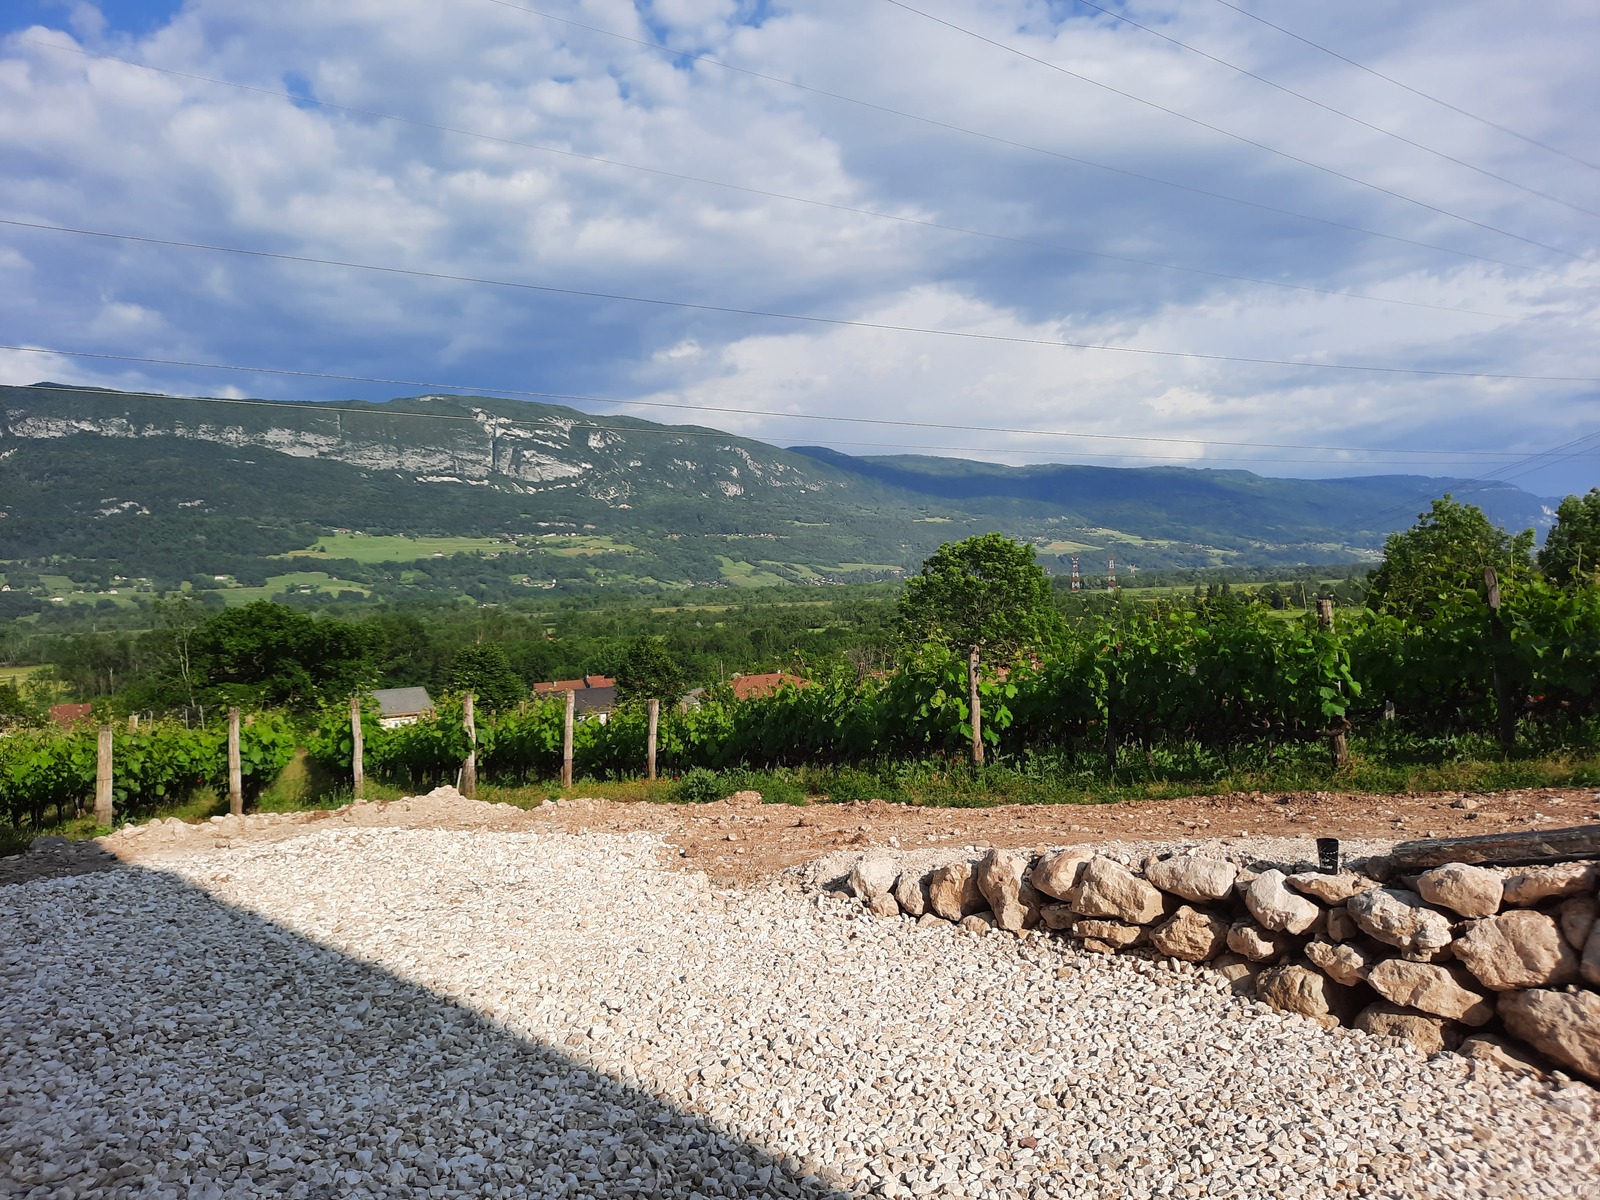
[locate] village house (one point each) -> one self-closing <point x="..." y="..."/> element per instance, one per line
<point x="593" y="695"/>
<point x="402" y="706"/>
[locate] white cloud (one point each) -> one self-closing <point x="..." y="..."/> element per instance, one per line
<point x="98" y="144"/>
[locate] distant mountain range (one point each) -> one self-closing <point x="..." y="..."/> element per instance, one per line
<point x="96" y="484"/>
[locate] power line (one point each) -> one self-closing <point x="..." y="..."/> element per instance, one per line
<point x="1523" y="467"/>
<point x="899" y="423"/>
<point x="709" y="434"/>
<point x="1414" y="91"/>
<point x="771" y="314"/>
<point x="1238" y="137"/>
<point x="1015" y="145"/>
<point x="764" y="192"/>
<point x="1288" y="91"/>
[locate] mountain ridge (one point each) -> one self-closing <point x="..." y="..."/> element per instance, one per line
<point x="171" y="489"/>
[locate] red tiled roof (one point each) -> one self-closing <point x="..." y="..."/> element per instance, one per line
<point x="746" y="687"/>
<point x="573" y="685"/>
<point x="70" y="714"/>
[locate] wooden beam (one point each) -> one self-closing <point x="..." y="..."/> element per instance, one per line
<point x="104" y="813"/>
<point x="566" y="741"/>
<point x="1490" y="850"/>
<point x="358" y="763"/>
<point x="235" y="766"/>
<point x="469" y="768"/>
<point x="650" y="743"/>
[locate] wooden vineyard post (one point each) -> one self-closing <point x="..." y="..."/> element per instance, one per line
<point x="358" y="765"/>
<point x="469" y="769"/>
<point x="974" y="707"/>
<point x="235" y="768"/>
<point x="133" y="722"/>
<point x="1338" y="745"/>
<point x="566" y="742"/>
<point x="103" y="810"/>
<point x="650" y="745"/>
<point x="1505" y="716"/>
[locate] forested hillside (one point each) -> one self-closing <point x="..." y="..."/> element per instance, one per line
<point x="110" y="499"/>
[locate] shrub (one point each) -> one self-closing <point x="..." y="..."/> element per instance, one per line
<point x="700" y="786"/>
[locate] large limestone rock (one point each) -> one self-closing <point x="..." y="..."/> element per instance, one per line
<point x="1341" y="925"/>
<point x="1249" y="940"/>
<point x="1032" y="901"/>
<point x="1277" y="908"/>
<point x="999" y="876"/>
<point x="911" y="893"/>
<point x="1057" y="916"/>
<point x="1529" y="885"/>
<point x="1487" y="1048"/>
<point x="1576" y="916"/>
<point x="1589" y="964"/>
<point x="1118" y="935"/>
<point x="1398" y="918"/>
<point x="1346" y="962"/>
<point x="1107" y="889"/>
<point x="1517" y="949"/>
<point x="980" y="922"/>
<point x="1197" y="879"/>
<point x="873" y="876"/>
<point x="1057" y="874"/>
<point x="1297" y="989"/>
<point x="1563" y="1025"/>
<point x="953" y="892"/>
<point x="1442" y="991"/>
<point x="1330" y="888"/>
<point x="1191" y="935"/>
<point x="883" y="904"/>
<point x="1239" y="972"/>
<point x="1428" y="1034"/>
<point x="1468" y="890"/>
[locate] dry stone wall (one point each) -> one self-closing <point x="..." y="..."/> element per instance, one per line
<point x="1489" y="962"/>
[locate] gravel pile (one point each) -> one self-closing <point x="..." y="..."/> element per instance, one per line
<point x="360" y="1013"/>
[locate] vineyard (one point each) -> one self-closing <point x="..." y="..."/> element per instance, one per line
<point x="47" y="776"/>
<point x="1242" y="681"/>
<point x="1174" y="686"/>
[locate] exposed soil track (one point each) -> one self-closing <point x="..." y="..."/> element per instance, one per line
<point x="741" y="840"/>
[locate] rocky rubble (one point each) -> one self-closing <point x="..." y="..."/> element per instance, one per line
<point x="1457" y="950"/>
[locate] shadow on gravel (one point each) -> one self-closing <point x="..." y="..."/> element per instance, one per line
<point x="51" y="857"/>
<point x="159" y="1042"/>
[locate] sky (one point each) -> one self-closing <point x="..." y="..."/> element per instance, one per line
<point x="977" y="216"/>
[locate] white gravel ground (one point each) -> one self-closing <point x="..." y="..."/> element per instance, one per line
<point x="448" y="1013"/>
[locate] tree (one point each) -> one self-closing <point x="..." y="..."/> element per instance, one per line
<point x="649" y="671"/>
<point x="986" y="596"/>
<point x="18" y="709"/>
<point x="176" y="621"/>
<point x="1571" y="552"/>
<point x="1442" y="557"/>
<point x="484" y="670"/>
<point x="268" y="654"/>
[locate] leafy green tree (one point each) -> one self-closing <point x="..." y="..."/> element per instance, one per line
<point x="16" y="709"/>
<point x="268" y="654"/>
<point x="984" y="596"/>
<point x="483" y="669"/>
<point x="1441" y="558"/>
<point x="177" y="619"/>
<point x="649" y="671"/>
<point x="1571" y="552"/>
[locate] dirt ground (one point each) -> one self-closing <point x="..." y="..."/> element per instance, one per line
<point x="740" y="840"/>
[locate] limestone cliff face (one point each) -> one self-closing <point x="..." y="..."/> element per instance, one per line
<point x="429" y="439"/>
